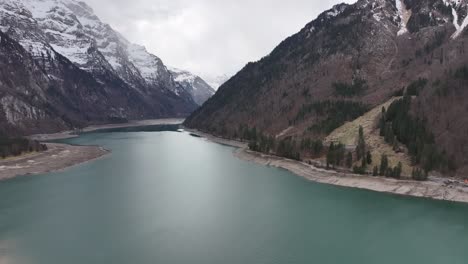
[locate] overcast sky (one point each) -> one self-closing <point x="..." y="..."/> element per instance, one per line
<point x="209" y="37"/>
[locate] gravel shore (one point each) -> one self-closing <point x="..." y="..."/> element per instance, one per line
<point x="56" y="158"/>
<point x="435" y="188"/>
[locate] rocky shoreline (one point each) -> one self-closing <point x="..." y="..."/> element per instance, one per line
<point x="435" y="188"/>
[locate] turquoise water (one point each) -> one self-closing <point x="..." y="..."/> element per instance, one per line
<point x="169" y="198"/>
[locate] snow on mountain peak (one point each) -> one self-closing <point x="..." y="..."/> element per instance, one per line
<point x="196" y="86"/>
<point x="72" y="29"/>
<point x="182" y="76"/>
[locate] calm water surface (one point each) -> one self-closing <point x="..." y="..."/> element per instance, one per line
<point x="169" y="198"/>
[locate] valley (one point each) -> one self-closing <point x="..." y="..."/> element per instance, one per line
<point x="125" y="137"/>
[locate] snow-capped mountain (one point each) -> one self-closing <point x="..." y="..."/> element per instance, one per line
<point x="216" y="81"/>
<point x="132" y="82"/>
<point x="196" y="86"/>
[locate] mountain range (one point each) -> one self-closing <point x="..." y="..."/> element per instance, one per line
<point x="348" y="61"/>
<point x="63" y="68"/>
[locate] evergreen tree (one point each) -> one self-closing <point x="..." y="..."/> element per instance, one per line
<point x="335" y="155"/>
<point x="395" y="144"/>
<point x="419" y="175"/>
<point x="361" y="146"/>
<point x="389" y="173"/>
<point x="331" y="155"/>
<point x="397" y="171"/>
<point x="363" y="164"/>
<point x="317" y="147"/>
<point x="375" y="171"/>
<point x="389" y="136"/>
<point x="339" y="154"/>
<point x="359" y="170"/>
<point x="382" y="122"/>
<point x="369" y="157"/>
<point x="383" y="165"/>
<point x="349" y="160"/>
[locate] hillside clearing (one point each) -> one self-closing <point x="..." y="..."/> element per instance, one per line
<point x="348" y="135"/>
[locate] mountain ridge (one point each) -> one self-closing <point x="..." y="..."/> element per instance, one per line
<point x="195" y="85"/>
<point x="350" y="56"/>
<point x="131" y="82"/>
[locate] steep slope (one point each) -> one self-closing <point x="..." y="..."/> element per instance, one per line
<point x="54" y="94"/>
<point x="127" y="81"/>
<point x="199" y="90"/>
<point x="349" y="59"/>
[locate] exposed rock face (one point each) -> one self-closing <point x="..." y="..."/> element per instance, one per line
<point x="196" y="86"/>
<point x="382" y="45"/>
<point x="75" y="70"/>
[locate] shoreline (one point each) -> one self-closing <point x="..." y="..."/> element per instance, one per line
<point x="436" y="188"/>
<point x="60" y="156"/>
<point x="57" y="158"/>
<point x="135" y="123"/>
<point x="215" y="139"/>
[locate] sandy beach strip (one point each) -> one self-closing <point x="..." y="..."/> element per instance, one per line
<point x="435" y="188"/>
<point x="58" y="157"/>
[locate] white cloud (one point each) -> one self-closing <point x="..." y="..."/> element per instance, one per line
<point x="209" y="37"/>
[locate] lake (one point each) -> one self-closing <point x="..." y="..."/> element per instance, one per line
<point x="171" y="198"/>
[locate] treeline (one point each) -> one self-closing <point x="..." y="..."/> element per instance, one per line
<point x="357" y="87"/>
<point x="416" y="87"/>
<point x="458" y="82"/>
<point x="268" y="144"/>
<point x="462" y="73"/>
<point x="336" y="155"/>
<point x="398" y="126"/>
<point x="287" y="147"/>
<point x="313" y="146"/>
<point x="437" y="41"/>
<point x="17" y="146"/>
<point x="336" y="113"/>
<point x="386" y="170"/>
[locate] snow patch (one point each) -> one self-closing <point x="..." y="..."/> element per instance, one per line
<point x="147" y="63"/>
<point x="459" y="27"/>
<point x="404" y="15"/>
<point x="183" y="76"/>
<point x="377" y="17"/>
<point x="74" y="53"/>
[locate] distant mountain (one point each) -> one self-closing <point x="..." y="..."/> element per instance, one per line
<point x="347" y="61"/>
<point x="216" y="81"/>
<point x="70" y="69"/>
<point x="193" y="84"/>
